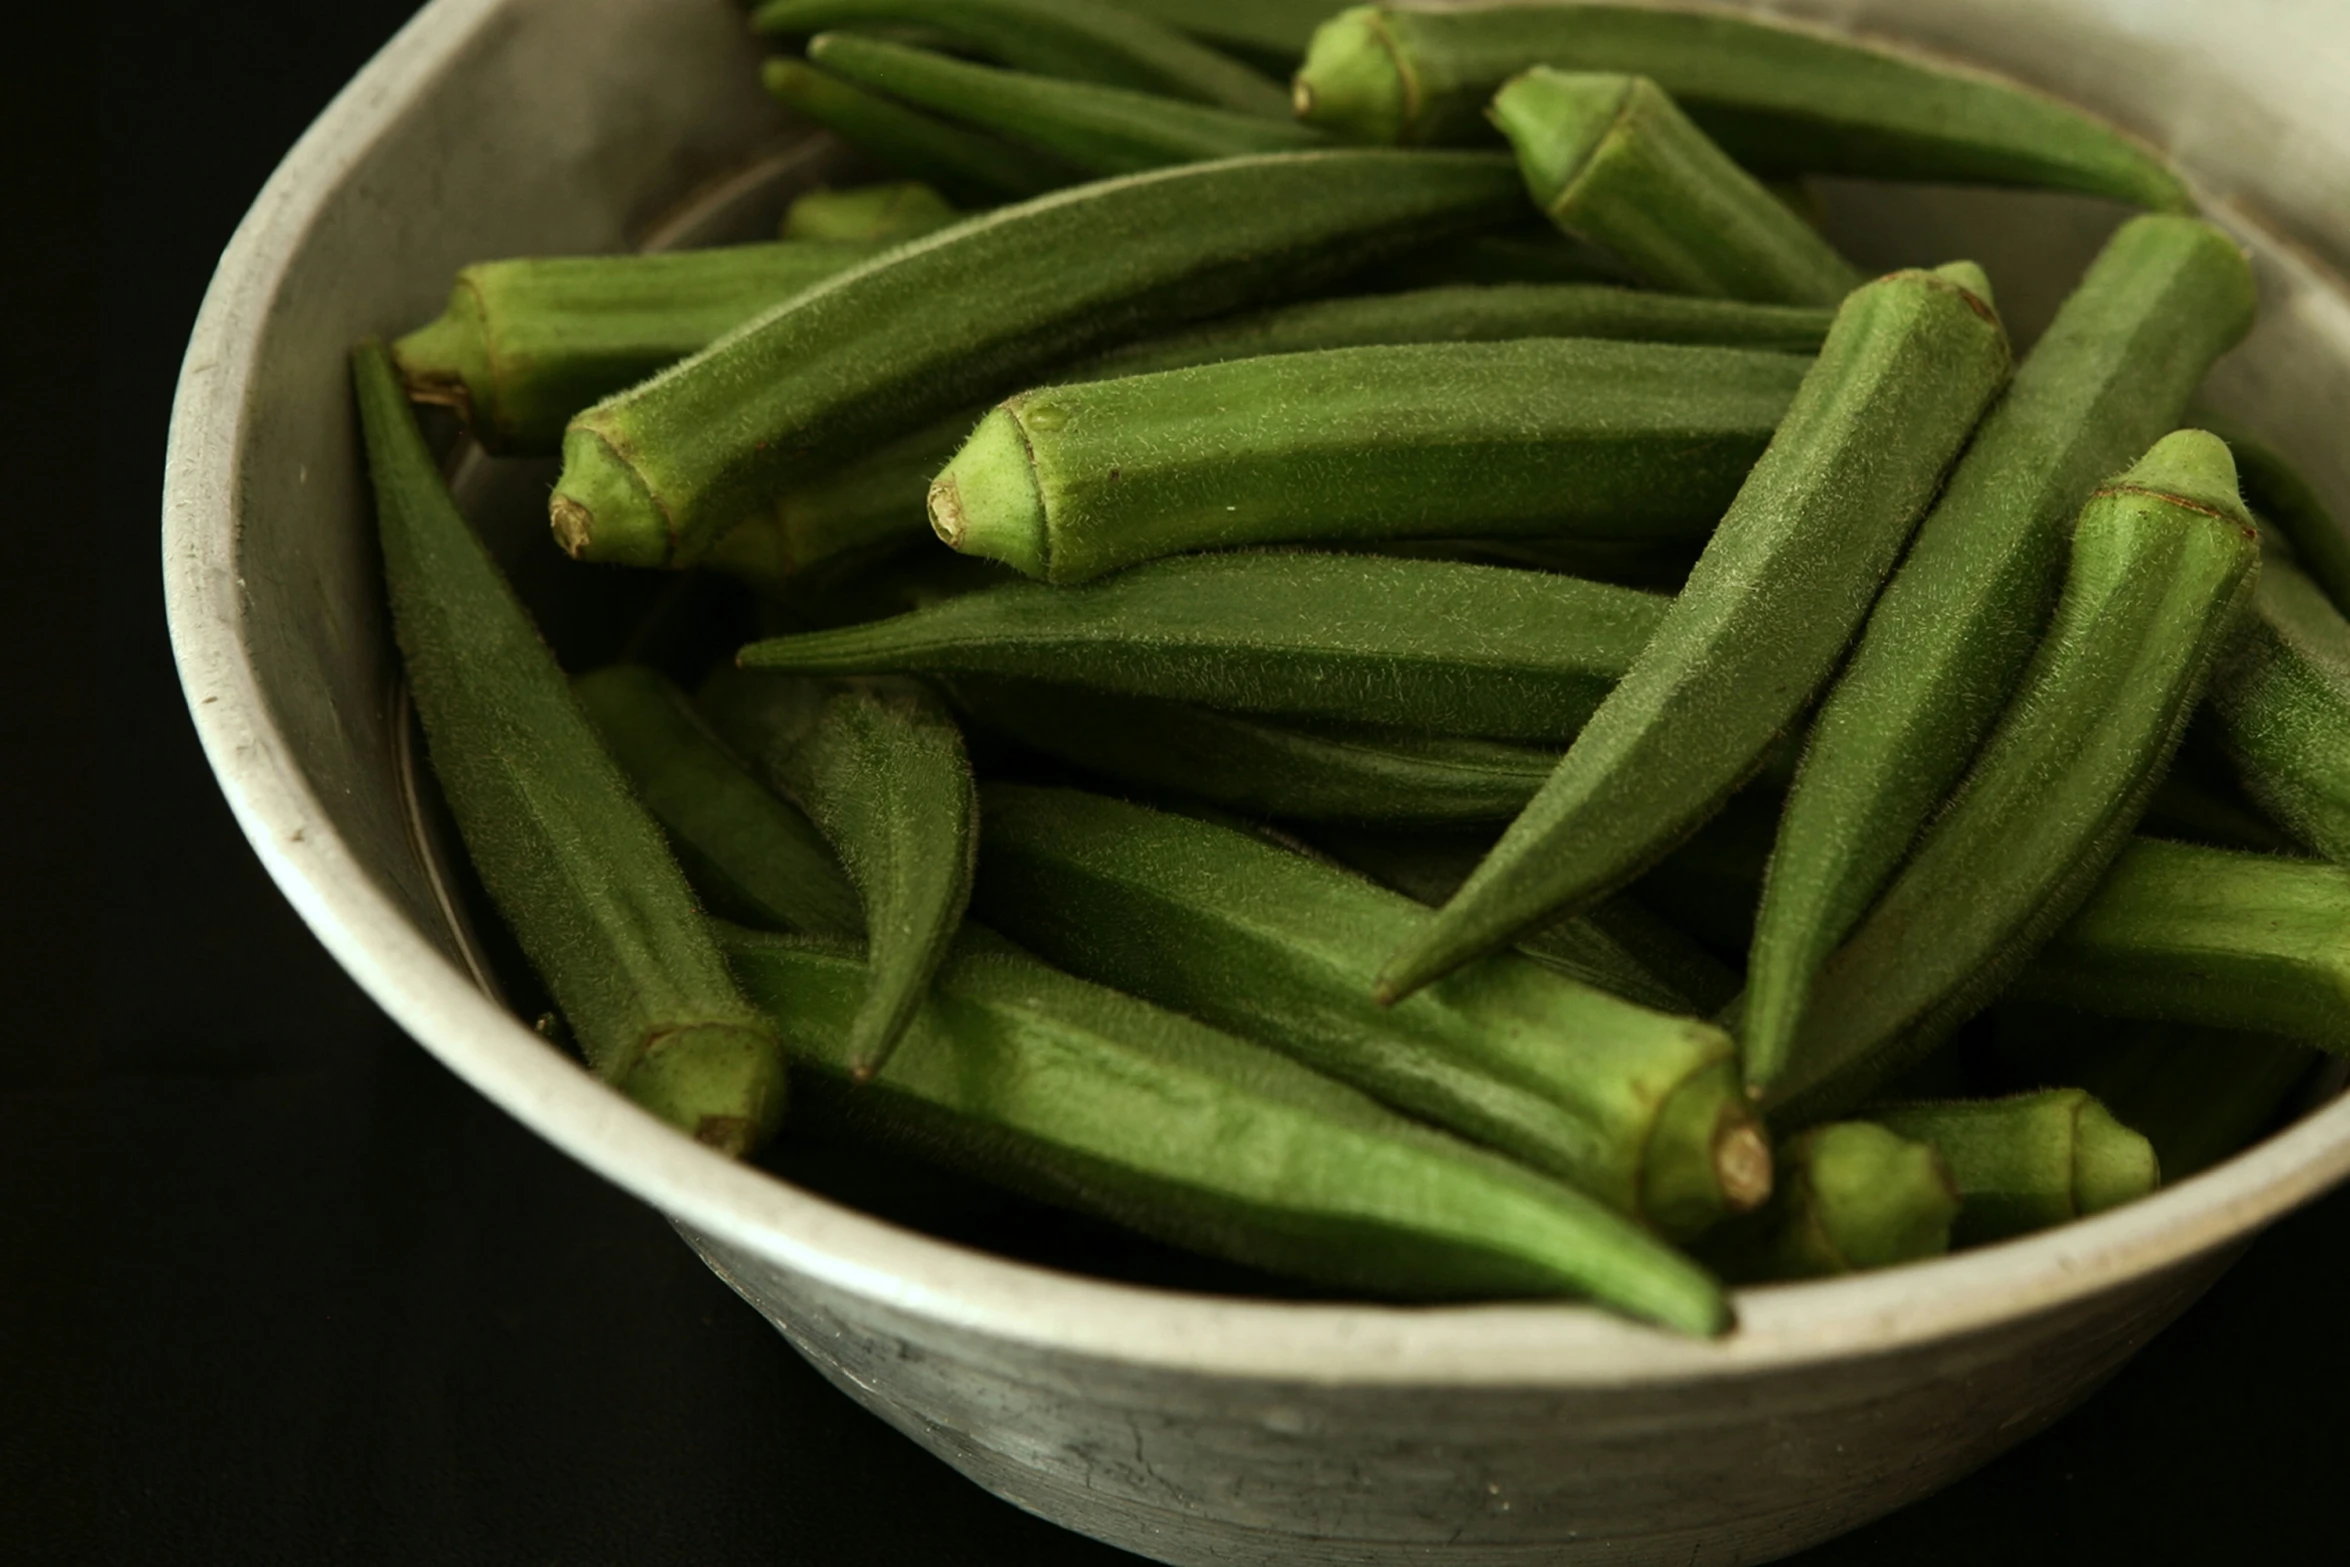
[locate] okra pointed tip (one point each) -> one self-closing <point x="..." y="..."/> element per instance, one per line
<point x="1352" y="81"/>
<point x="987" y="502"/>
<point x="601" y="509"/>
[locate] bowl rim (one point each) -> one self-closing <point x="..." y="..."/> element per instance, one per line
<point x="922" y="1279"/>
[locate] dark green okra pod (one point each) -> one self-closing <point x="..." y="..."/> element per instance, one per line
<point x="2280" y="704"/>
<point x="1415" y="644"/>
<point x="1765" y="617"/>
<point x="877" y="214"/>
<point x="966" y="166"/>
<point x="569" y="857"/>
<point x="755" y="857"/>
<point x="1540" y="436"/>
<point x="525" y="344"/>
<point x="1946" y="642"/>
<point x="1300" y="770"/>
<point x="1025" y="1076"/>
<point x="2162" y="560"/>
<point x="1084" y="39"/>
<point x="1100" y="130"/>
<point x="879" y="767"/>
<point x="2282" y="499"/>
<point x="2180" y="933"/>
<point x="1612" y="160"/>
<point x="654" y="476"/>
<point x="1851" y="1196"/>
<point x="2029" y="1162"/>
<point x="1637" y="1108"/>
<point x="1271" y="32"/>
<point x="1780" y="99"/>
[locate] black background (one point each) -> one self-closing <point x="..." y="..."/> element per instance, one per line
<point x="274" y="1287"/>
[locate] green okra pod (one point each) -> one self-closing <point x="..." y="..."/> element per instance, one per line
<point x="1271" y="32"/>
<point x="2180" y="933"/>
<point x="1098" y="129"/>
<point x="1766" y="615"/>
<point x="1536" y="436"/>
<point x="1024" y="1076"/>
<point x="1780" y="99"/>
<point x="1084" y="39"/>
<point x="573" y="863"/>
<point x="2280" y="704"/>
<point x="1946" y="642"/>
<point x="2196" y="1094"/>
<point x="879" y="767"/>
<point x="2028" y="1162"/>
<point x="1428" y="645"/>
<point x="1851" y="1196"/>
<point x="654" y="476"/>
<point x="1299" y="770"/>
<point x="1612" y="160"/>
<point x="527" y="343"/>
<point x="2162" y="560"/>
<point x="1637" y="1108"/>
<point x="754" y="856"/>
<point x="964" y="165"/>
<point x="876" y="214"/>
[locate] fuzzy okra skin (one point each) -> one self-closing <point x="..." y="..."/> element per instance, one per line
<point x="1766" y="615"/>
<point x="1030" y="1078"/>
<point x="1852" y="1196"/>
<point x="2028" y="1162"/>
<point x="879" y="766"/>
<point x="1299" y="770"/>
<point x="1959" y="619"/>
<point x="2281" y="498"/>
<point x="2280" y="701"/>
<point x="652" y="477"/>
<point x="1435" y="646"/>
<point x="754" y="856"/>
<point x="878" y="214"/>
<point x="2162" y="560"/>
<point x="1088" y="40"/>
<point x="1637" y="1108"/>
<point x="1779" y="99"/>
<point x="965" y="165"/>
<point x="1100" y="130"/>
<point x="1538" y="436"/>
<point x="574" y="864"/>
<point x="1612" y="160"/>
<point x="2181" y="933"/>
<point x="525" y="344"/>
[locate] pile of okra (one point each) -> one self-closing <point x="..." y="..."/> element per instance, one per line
<point x="1538" y="732"/>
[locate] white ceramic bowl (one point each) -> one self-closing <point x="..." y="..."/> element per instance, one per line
<point x="1189" y="1428"/>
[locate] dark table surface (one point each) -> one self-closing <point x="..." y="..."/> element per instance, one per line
<point x="279" y="1288"/>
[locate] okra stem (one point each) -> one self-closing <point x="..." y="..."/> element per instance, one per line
<point x="573" y="863"/>
<point x="1851" y="1196"/>
<point x="2029" y="1162"/>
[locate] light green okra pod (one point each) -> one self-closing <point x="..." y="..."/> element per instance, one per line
<point x="1084" y="39"/>
<point x="1765" y="617"/>
<point x="966" y="166"/>
<point x="876" y="214"/>
<point x="1428" y="645"/>
<point x="1101" y="130"/>
<point x="1851" y="1196"/>
<point x="879" y="767"/>
<point x="1300" y="770"/>
<point x="2162" y="560"/>
<point x="573" y="863"/>
<point x="1957" y="623"/>
<point x="1780" y="99"/>
<point x="1612" y="160"/>
<point x="652" y="477"/>
<point x="2180" y="933"/>
<point x="1027" y="1077"/>
<point x="754" y="856"/>
<point x="1637" y="1108"/>
<point x="527" y="343"/>
<point x="2196" y="1094"/>
<point x="1538" y="436"/>
<point x="878" y="500"/>
<point x="2028" y="1162"/>
<point x="2280" y="704"/>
